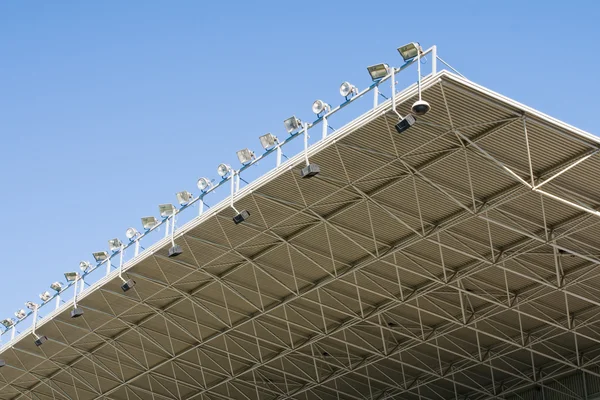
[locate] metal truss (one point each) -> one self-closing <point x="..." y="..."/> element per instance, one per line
<point x="488" y="297"/>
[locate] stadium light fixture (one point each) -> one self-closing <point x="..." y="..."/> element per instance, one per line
<point x="45" y="296"/>
<point x="85" y="266"/>
<point x="405" y="123"/>
<point x="57" y="286"/>
<point x="241" y="216"/>
<point x="348" y="89"/>
<point x="268" y="140"/>
<point x="319" y="107"/>
<point x="71" y="276"/>
<point x="184" y="197"/>
<point x="166" y="210"/>
<point x="100" y="256"/>
<point x="204" y="184"/>
<point x="245" y="156"/>
<point x="40" y="340"/>
<point x="132" y="233"/>
<point x="292" y="124"/>
<point x="115" y="244"/>
<point x="20" y="314"/>
<point x="149" y="222"/>
<point x="31" y="305"/>
<point x="127" y="284"/>
<point x="378" y="71"/>
<point x="223" y="170"/>
<point x="76" y="312"/>
<point x="8" y="323"/>
<point x="410" y="51"/>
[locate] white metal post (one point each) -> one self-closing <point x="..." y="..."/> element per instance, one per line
<point x="82" y="285"/>
<point x="433" y="60"/>
<point x="375" y="96"/>
<point x="136" y="250"/>
<point x="75" y="291"/>
<point x="57" y="302"/>
<point x="108" y="266"/>
<point x="278" y="151"/>
<point x="201" y="206"/>
<point x="325" y="126"/>
<point x="14" y="331"/>
<point x="167" y="228"/>
<point x="305" y="129"/>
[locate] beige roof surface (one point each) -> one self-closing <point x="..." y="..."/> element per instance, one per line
<point x="432" y="264"/>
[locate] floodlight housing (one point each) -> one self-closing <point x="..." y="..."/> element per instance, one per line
<point x="57" y="286"/>
<point x="8" y="323"/>
<point x="347" y="89"/>
<point x="292" y="123"/>
<point x="149" y="222"/>
<point x="184" y="197"/>
<point x="268" y="140"/>
<point x="378" y="71"/>
<point x="132" y="233"/>
<point x="405" y="123"/>
<point x="204" y="184"/>
<point x="84" y="265"/>
<point x="410" y="51"/>
<point x="76" y="313"/>
<point x="166" y="210"/>
<point x="175" y="250"/>
<point x="245" y="156"/>
<point x="100" y="256"/>
<point x="420" y="107"/>
<point x="40" y="340"/>
<point x="128" y="285"/>
<point x="45" y="296"/>
<point x="310" y="170"/>
<point x="115" y="244"/>
<point x="320" y="106"/>
<point x="31" y="305"/>
<point x="71" y="276"/>
<point x="223" y="170"/>
<point x="20" y="314"/>
<point x="241" y="217"/>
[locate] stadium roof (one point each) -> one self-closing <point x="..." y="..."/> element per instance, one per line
<point x="455" y="260"/>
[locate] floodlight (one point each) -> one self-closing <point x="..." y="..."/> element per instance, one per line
<point x="420" y="107"/>
<point x="223" y="170"/>
<point x="405" y="123"/>
<point x="310" y="170"/>
<point x="347" y="89"/>
<point x="166" y="210"/>
<point x="291" y="124"/>
<point x="2" y="363"/>
<point x="100" y="256"/>
<point x="84" y="265"/>
<point x="8" y="323"/>
<point x="71" y="276"/>
<point x="115" y="244"/>
<point x="204" y="184"/>
<point x="245" y="155"/>
<point x="268" y="140"/>
<point x="76" y="312"/>
<point x="45" y="296"/>
<point x="128" y="285"/>
<point x="410" y="51"/>
<point x="378" y="71"/>
<point x="40" y="340"/>
<point x="149" y="222"/>
<point x="241" y="217"/>
<point x="175" y="250"/>
<point x="31" y="305"/>
<point x="58" y="286"/>
<point x="131" y="233"/>
<point x="320" y="106"/>
<point x="184" y="197"/>
<point x="20" y="314"/>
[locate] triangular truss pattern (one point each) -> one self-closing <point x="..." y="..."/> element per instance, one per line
<point x="457" y="260"/>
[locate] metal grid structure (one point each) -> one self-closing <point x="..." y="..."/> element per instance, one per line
<point x="455" y="260"/>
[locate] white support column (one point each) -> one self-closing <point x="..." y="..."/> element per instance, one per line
<point x="325" y="127"/>
<point x="375" y="96"/>
<point x="433" y="60"/>
<point x="278" y="154"/>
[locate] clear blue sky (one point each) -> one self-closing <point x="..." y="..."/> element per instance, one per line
<point x="108" y="108"/>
